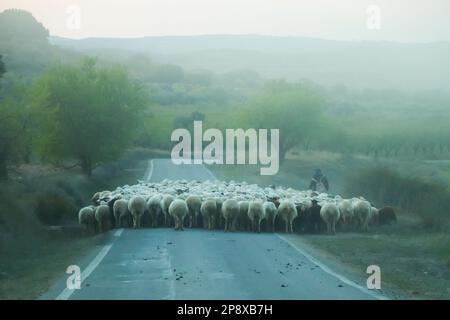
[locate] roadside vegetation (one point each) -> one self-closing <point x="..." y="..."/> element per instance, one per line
<point x="412" y="254"/>
<point x="73" y="123"/>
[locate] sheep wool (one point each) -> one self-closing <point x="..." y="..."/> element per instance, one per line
<point x="346" y="210"/>
<point x="330" y="215"/>
<point x="165" y="203"/>
<point x="120" y="209"/>
<point x="178" y="209"/>
<point x="154" y="208"/>
<point x="137" y="207"/>
<point x="362" y="211"/>
<point x="256" y="214"/>
<point x="103" y="218"/>
<point x="208" y="210"/>
<point x="86" y="217"/>
<point x="287" y="213"/>
<point x="230" y="211"/>
<point x="194" y="203"/>
<point x="270" y="213"/>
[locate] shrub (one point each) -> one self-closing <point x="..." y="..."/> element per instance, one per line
<point x="52" y="207"/>
<point x="383" y="186"/>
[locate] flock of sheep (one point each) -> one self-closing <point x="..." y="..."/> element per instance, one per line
<point x="230" y="206"/>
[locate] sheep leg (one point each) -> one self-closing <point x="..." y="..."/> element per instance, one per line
<point x="259" y="226"/>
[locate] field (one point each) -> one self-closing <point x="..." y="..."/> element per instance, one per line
<point x="31" y="263"/>
<point x="414" y="260"/>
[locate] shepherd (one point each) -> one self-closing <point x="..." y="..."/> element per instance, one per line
<point x="319" y="182"/>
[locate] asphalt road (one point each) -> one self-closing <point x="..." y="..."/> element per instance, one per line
<point x="199" y="264"/>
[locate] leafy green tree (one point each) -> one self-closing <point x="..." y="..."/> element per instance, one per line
<point x="294" y="109"/>
<point x="16" y="24"/>
<point x="14" y="123"/>
<point x="2" y="66"/>
<point x="169" y="74"/>
<point x="87" y="114"/>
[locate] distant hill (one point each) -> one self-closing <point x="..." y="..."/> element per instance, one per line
<point x="357" y="64"/>
<point x="24" y="45"/>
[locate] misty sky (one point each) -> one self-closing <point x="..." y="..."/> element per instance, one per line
<point x="401" y="20"/>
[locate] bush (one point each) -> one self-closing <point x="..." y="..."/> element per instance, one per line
<point x="18" y="223"/>
<point x="52" y="207"/>
<point x="383" y="186"/>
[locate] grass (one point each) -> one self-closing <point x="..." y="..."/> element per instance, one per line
<point x="29" y="273"/>
<point x="295" y="172"/>
<point x="32" y="258"/>
<point x="414" y="264"/>
<point x="414" y="261"/>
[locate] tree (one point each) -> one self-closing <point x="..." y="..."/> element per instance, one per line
<point x="87" y="114"/>
<point x="2" y="67"/>
<point x="294" y="109"/>
<point x="14" y="122"/>
<point x="169" y="74"/>
<point x="16" y="24"/>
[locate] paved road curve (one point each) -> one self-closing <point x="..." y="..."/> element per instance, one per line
<point x="198" y="264"/>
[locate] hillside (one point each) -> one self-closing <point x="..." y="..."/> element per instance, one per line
<point x="357" y="64"/>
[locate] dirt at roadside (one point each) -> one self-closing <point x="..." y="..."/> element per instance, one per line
<point x="408" y="269"/>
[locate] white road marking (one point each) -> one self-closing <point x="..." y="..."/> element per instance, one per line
<point x="210" y="173"/>
<point x="118" y="232"/>
<point x="149" y="172"/>
<point x="332" y="273"/>
<point x="172" y="292"/>
<point x="66" y="293"/>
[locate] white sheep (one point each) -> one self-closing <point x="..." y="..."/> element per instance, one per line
<point x="165" y="203"/>
<point x="103" y="218"/>
<point x="362" y="213"/>
<point x="230" y="211"/>
<point x="243" y="220"/>
<point x="154" y="209"/>
<point x="86" y="217"/>
<point x="287" y="212"/>
<point x="194" y="203"/>
<point x="120" y="210"/>
<point x="208" y="210"/>
<point x="101" y="196"/>
<point x="178" y="209"/>
<point x="217" y="218"/>
<point x="137" y="207"/>
<point x="256" y="214"/>
<point x="346" y="210"/>
<point x="330" y="215"/>
<point x="270" y="213"/>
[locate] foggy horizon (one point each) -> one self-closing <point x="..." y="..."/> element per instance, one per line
<point x="201" y="151"/>
<point x="400" y="21"/>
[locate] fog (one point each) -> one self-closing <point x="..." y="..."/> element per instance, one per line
<point x="401" y="20"/>
<point x="209" y="149"/>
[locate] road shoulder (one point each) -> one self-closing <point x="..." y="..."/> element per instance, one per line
<point x="353" y="273"/>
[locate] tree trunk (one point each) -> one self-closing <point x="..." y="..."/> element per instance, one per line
<point x="282" y="155"/>
<point x="3" y="168"/>
<point x="86" y="166"/>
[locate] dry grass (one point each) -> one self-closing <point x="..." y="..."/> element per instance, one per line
<point x="414" y="261"/>
<point x="31" y="258"/>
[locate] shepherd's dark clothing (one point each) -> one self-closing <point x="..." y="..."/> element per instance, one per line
<point x="319" y="180"/>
